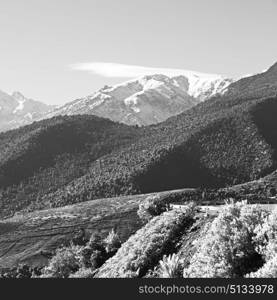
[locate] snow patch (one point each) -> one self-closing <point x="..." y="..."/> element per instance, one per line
<point x="28" y="116"/>
<point x="99" y="99"/>
<point x="20" y="106"/>
<point x="151" y="84"/>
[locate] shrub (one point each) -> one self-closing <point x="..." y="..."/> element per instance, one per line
<point x="152" y="206"/>
<point x="97" y="259"/>
<point x="112" y="242"/>
<point x="268" y="270"/>
<point x="266" y="241"/>
<point x="85" y="254"/>
<point x="24" y="271"/>
<point x="79" y="238"/>
<point x="131" y="274"/>
<point x="96" y="243"/>
<point x="78" y="260"/>
<point x="229" y="247"/>
<point x="266" y="236"/>
<point x="170" y="267"/>
<point x="83" y="273"/>
<point x="66" y="261"/>
<point x="97" y="250"/>
<point x="94" y="254"/>
<point x="146" y="247"/>
<point x="21" y="271"/>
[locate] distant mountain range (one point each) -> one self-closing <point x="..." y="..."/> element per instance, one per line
<point x="148" y="100"/>
<point x="144" y="101"/>
<point x="16" y="110"/>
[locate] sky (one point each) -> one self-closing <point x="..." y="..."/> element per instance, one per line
<point x="57" y="51"/>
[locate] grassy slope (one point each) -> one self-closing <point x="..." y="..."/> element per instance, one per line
<point x="24" y="236"/>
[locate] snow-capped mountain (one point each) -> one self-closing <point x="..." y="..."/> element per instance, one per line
<point x="144" y="101"/>
<point x="17" y="110"/>
<point x="148" y="100"/>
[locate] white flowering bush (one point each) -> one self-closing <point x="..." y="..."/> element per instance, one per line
<point x="229" y="247"/>
<point x="170" y="267"/>
<point x="83" y="273"/>
<point x="112" y="242"/>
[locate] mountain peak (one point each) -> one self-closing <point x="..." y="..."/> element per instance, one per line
<point x="16" y="110"/>
<point x="17" y="93"/>
<point x="18" y="96"/>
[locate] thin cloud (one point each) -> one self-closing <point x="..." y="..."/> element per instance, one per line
<point x="127" y="71"/>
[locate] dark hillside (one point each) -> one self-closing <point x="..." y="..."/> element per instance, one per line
<point x="230" y="149"/>
<point x="44" y="156"/>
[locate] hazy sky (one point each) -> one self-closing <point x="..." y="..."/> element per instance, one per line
<point x="42" y="42"/>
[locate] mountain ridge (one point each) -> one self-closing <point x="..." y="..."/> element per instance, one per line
<point x="16" y="110"/>
<point x="143" y="101"/>
<point x="147" y="100"/>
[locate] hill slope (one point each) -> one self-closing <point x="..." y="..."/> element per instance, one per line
<point x="24" y="238"/>
<point x="44" y="156"/>
<point x="32" y="238"/>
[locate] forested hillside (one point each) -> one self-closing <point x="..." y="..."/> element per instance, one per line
<point x="230" y="139"/>
<point x="42" y="157"/>
<point x="222" y="149"/>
